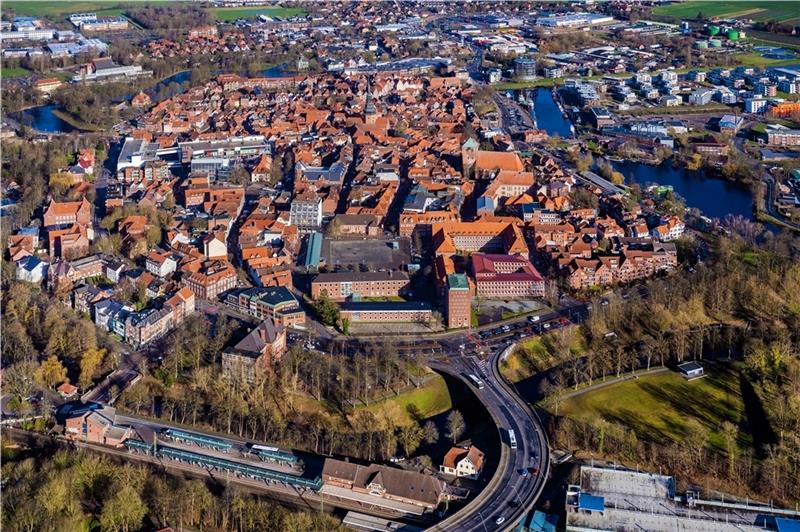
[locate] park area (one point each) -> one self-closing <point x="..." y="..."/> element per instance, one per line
<point x="664" y="408"/>
<point x="781" y="11"/>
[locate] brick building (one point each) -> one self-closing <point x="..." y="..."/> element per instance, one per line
<point x="387" y="311"/>
<point x="96" y="426"/>
<point x="342" y="285"/>
<point x="213" y="278"/>
<point x="68" y="213"/>
<point x="505" y="276"/>
<point x="271" y="303"/>
<point x="258" y="350"/>
<point x="459" y="301"/>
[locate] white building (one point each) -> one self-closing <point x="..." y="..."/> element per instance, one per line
<point x="31" y="269"/>
<point x="755" y="105"/>
<point x="463" y="462"/>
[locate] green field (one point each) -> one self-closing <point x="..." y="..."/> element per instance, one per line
<point x="13" y="72"/>
<point x="664" y="408"/>
<point x="54" y="8"/>
<point x="229" y="14"/>
<point x="431" y="399"/>
<point x="753" y="9"/>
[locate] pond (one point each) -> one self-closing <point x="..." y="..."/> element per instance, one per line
<point x="42" y="119"/>
<point x="715" y="197"/>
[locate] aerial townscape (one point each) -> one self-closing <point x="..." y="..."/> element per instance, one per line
<point x="400" y="265"/>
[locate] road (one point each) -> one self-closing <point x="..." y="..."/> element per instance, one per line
<point x="126" y="374"/>
<point x="769" y="202"/>
<point x="509" y="494"/>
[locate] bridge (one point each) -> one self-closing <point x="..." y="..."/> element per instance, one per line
<point x="508" y="495"/>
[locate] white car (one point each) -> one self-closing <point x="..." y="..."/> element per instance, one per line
<point x="500" y="520"/>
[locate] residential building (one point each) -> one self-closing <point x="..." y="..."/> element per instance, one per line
<point x="463" y="462"/>
<point x="213" y="278"/>
<point x="143" y="327"/>
<point x="257" y="351"/>
<point x="161" y="263"/>
<point x="31" y="270"/>
<point x="755" y="105"/>
<point x="783" y="137"/>
<point x="111" y="315"/>
<point x="306" y="211"/>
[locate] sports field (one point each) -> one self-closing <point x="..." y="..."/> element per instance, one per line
<point x="665" y="408"/>
<point x="753" y="9"/>
<point x="229" y="14"/>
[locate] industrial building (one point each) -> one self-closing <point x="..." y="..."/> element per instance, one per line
<point x="621" y="500"/>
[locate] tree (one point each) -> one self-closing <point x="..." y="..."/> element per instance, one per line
<point x="431" y="433"/>
<point x="410" y="436"/>
<point x="124" y="511"/>
<point x="90" y="362"/>
<point x="326" y="309"/>
<point x="584" y="162"/>
<point x="51" y="372"/>
<point x="617" y="178"/>
<point x="455" y="425"/>
<point x="730" y="432"/>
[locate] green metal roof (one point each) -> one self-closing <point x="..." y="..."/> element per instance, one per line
<point x="457" y="281"/>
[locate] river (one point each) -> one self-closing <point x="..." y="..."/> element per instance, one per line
<point x="42" y="119"/>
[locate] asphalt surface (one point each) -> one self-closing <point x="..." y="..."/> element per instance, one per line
<point x="522" y="472"/>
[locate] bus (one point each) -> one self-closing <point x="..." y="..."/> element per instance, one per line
<point x="476" y="381"/>
<point x="512" y="439"/>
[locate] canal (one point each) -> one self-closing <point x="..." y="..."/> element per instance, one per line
<point x="545" y="110"/>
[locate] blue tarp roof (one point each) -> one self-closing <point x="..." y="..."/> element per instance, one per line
<point x="787" y="525"/>
<point x="591" y="502"/>
<point x="542" y="522"/>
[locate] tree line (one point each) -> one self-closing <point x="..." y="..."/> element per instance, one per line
<point x="45" y="490"/>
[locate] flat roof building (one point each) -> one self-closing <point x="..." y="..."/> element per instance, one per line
<point x="621" y="500"/>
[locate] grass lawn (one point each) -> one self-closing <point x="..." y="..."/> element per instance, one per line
<point x="533" y="355"/>
<point x="229" y="14"/>
<point x="757" y="60"/>
<point x="431" y="399"/>
<point x="13" y="72"/>
<point x="664" y="408"/>
<point x="57" y="8"/>
<point x="755" y="9"/>
<point x="540" y="82"/>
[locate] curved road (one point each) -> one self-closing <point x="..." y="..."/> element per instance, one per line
<point x="509" y="494"/>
